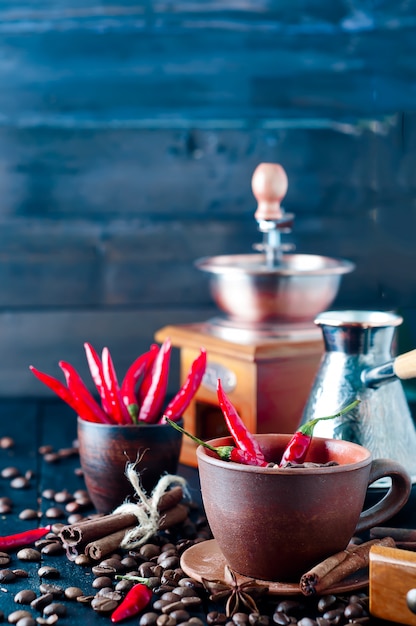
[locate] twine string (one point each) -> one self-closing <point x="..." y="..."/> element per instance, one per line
<point x="146" y="508"/>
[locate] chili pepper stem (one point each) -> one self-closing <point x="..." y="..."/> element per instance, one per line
<point x="308" y="427"/>
<point x="185" y="432"/>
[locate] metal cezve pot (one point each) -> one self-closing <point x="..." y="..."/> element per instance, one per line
<point x="358" y="363"/>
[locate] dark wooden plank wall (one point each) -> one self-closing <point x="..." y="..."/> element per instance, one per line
<point x="129" y="132"/>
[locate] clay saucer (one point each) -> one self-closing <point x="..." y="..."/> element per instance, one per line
<point x="205" y="560"/>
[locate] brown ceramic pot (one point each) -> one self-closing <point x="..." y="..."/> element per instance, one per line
<point x="273" y="524"/>
<point x="105" y="450"/>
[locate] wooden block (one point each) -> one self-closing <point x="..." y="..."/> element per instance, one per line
<point x="392" y="576"/>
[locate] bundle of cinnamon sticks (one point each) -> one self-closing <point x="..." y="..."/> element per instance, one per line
<point x="102" y="535"/>
<point x="339" y="566"/>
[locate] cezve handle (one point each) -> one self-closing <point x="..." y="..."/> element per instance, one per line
<point x="403" y="367"/>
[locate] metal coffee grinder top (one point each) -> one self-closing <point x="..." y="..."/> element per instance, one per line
<point x="272" y="291"/>
<point x="358" y="362"/>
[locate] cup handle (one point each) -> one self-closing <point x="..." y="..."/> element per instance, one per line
<point x="396" y="497"/>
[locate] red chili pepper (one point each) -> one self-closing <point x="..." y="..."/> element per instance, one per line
<point x="25" y="538"/>
<point x="147" y="378"/>
<point x="226" y="453"/>
<point x="152" y="404"/>
<point x="181" y="401"/>
<point x="136" y="370"/>
<point x="298" y="446"/>
<point x="57" y="387"/>
<point x="96" y="369"/>
<point x="136" y="599"/>
<point x="118" y="409"/>
<point x="65" y="394"/>
<point x="243" y="439"/>
<point x="87" y="407"/>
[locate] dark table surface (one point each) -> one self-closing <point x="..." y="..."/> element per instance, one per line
<point x="31" y="424"/>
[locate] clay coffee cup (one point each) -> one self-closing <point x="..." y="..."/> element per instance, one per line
<point x="275" y="523"/>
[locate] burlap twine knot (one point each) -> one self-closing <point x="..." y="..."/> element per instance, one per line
<point x="146" y="509"/>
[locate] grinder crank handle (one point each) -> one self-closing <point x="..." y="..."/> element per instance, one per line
<point x="402" y="367"/>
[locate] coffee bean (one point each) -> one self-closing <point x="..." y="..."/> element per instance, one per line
<point x="17" y="615"/>
<point x="6" y="443"/>
<point x="10" y="472"/>
<point x="39" y="603"/>
<point x="48" y="572"/>
<point x="180" y="615"/>
<point x="45" y="449"/>
<point x="256" y="619"/>
<point x="55" y="590"/>
<point x="124" y="585"/>
<point x="213" y="617"/>
<point x="326" y="602"/>
<point x="240" y="618"/>
<point x="51" y="457"/>
<point x="72" y="593"/>
<point x="353" y="610"/>
<point x="165" y="620"/>
<point x="5" y="508"/>
<point x="53" y="548"/>
<point x="307" y="621"/>
<point x="55" y="608"/>
<point x="63" y="496"/>
<point x="48" y="494"/>
<point x="25" y="596"/>
<point x="102" y="581"/>
<point x="103" y="605"/>
<point x="28" y="514"/>
<point x="20" y="482"/>
<point x="4" y="559"/>
<point x="20" y="573"/>
<point x="7" y="576"/>
<point x="281" y="618"/>
<point x="170" y="607"/>
<point x="48" y="621"/>
<point x="149" y="551"/>
<point x="26" y="621"/>
<point x="148" y="619"/>
<point x="29" y="554"/>
<point x="54" y="512"/>
<point x="191" y="601"/>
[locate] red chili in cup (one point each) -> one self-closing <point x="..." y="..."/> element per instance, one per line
<point x="298" y="446"/>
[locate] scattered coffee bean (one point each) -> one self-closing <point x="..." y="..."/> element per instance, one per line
<point x="55" y="590"/>
<point x="20" y="482"/>
<point x="103" y="605"/>
<point x="148" y="619"/>
<point x="39" y="603"/>
<point x="48" y="572"/>
<point x="28" y="514"/>
<point x="48" y="494"/>
<point x="6" y="443"/>
<point x="54" y="512"/>
<point x="4" y="559"/>
<point x="53" y="548"/>
<point x="10" y="472"/>
<point x="55" y="608"/>
<point x="25" y="596"/>
<point x="72" y="593"/>
<point x="29" y="554"/>
<point x="165" y="620"/>
<point x="26" y="621"/>
<point x="51" y="457"/>
<point x="21" y="573"/>
<point x="18" y="615"/>
<point x="102" y="581"/>
<point x="7" y="576"/>
<point x="45" y="449"/>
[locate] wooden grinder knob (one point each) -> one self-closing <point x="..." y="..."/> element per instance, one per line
<point x="269" y="184"/>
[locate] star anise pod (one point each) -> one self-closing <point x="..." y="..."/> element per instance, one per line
<point x="237" y="595"/>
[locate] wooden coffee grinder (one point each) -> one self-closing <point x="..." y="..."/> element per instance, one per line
<point x="265" y="349"/>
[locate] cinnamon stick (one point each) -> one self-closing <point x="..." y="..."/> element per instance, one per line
<point x="340" y="565"/>
<point x="87" y="531"/>
<point x="173" y="516"/>
<point x="99" y="548"/>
